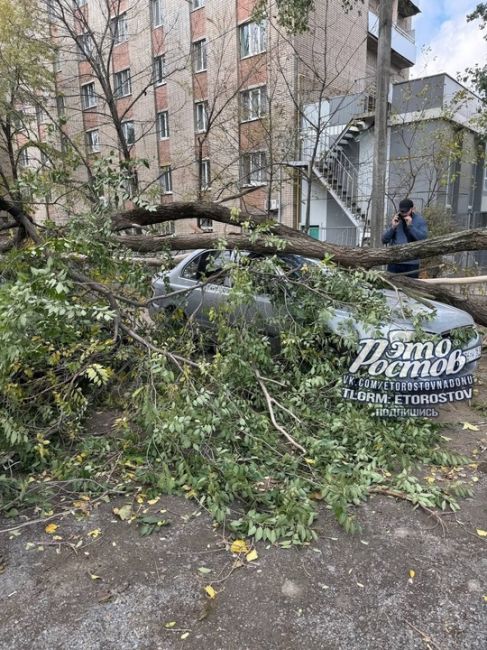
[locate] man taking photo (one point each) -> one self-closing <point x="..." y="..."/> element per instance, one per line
<point x="406" y="226"/>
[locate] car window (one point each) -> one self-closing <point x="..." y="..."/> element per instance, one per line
<point x="190" y="271"/>
<point x="206" y="265"/>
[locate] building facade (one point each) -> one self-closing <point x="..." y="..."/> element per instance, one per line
<point x="215" y="102"/>
<point x="436" y="156"/>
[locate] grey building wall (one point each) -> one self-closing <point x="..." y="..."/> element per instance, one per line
<point x="420" y="163"/>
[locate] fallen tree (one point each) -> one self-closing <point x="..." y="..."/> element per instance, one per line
<point x="293" y="240"/>
<point x="274" y="237"/>
<point x="258" y="438"/>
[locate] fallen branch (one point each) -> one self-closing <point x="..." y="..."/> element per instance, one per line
<point x="21" y="219"/>
<point x="270" y="401"/>
<point x="175" y="358"/>
<point x="379" y="489"/>
<point x="477" y="279"/>
<point x="9" y="225"/>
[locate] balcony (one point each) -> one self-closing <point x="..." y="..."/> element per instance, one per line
<point x="403" y="43"/>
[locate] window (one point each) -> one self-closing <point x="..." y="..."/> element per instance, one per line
<point x="204" y="174"/>
<point x="205" y="224"/>
<point x="51" y="11"/>
<point x="85" y="45"/>
<point x="41" y="115"/>
<point x="93" y="141"/>
<point x="253" y="168"/>
<point x="80" y="3"/>
<point x="119" y="27"/>
<point x="24" y="157"/>
<point x="128" y="130"/>
<point x="122" y="83"/>
<point x="165" y="180"/>
<point x="129" y="185"/>
<point x="163" y="125"/>
<point x="57" y="60"/>
<point x="199" y="56"/>
<point x="88" y="95"/>
<point x="252" y="39"/>
<point x="157" y="15"/>
<point x="208" y="263"/>
<point x="196" y="4"/>
<point x="253" y="103"/>
<point x="159" y="70"/>
<point x="65" y="143"/>
<point x="201" y="117"/>
<point x="61" y="109"/>
<point x="19" y="120"/>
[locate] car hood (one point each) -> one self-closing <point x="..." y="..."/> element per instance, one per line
<point x="445" y="317"/>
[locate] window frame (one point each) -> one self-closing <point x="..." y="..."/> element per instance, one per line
<point x="203" y="105"/>
<point x="117" y="86"/>
<point x="23" y="159"/>
<point x="56" y="64"/>
<point x="156" y="13"/>
<point x="255" y="29"/>
<point x="204" y="173"/>
<point x="165" y="120"/>
<point x="125" y="128"/>
<point x="246" y="112"/>
<point x="260" y="169"/>
<point x="41" y="115"/>
<point x="159" y="65"/>
<point x="60" y="105"/>
<point x="90" y="141"/>
<point x="200" y="55"/>
<point x="117" y="35"/>
<point x="165" y="172"/>
<point x="51" y="12"/>
<point x="84" y="105"/>
<point x="86" y="45"/>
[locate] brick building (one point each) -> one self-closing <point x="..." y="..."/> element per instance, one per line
<point x="212" y="100"/>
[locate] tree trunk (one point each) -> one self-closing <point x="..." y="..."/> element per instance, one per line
<point x="278" y="238"/>
<point x="294" y="241"/>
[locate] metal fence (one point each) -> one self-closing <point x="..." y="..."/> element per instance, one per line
<point x="341" y="236"/>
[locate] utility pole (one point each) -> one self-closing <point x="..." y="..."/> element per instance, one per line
<point x="380" y="129"/>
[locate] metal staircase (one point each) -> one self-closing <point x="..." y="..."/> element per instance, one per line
<point x="339" y="174"/>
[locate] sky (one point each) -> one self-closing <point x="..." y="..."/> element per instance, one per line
<point x="445" y="41"/>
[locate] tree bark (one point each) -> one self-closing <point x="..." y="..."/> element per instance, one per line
<point x="294" y="241"/>
<point x="476" y="307"/>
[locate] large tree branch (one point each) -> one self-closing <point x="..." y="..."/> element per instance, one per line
<point x="289" y="240"/>
<point x="294" y="241"/>
<point x="477" y="307"/>
<point x="21" y="218"/>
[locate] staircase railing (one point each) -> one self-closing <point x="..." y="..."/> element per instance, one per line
<point x="342" y="174"/>
<point x="340" y="137"/>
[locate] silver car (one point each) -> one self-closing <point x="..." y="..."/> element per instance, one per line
<point x="202" y="282"/>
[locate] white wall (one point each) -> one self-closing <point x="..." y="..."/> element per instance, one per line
<point x="319" y="201"/>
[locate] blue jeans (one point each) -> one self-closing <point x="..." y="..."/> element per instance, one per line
<point x="410" y="270"/>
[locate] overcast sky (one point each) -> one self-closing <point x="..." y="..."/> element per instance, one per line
<point x="445" y="41"/>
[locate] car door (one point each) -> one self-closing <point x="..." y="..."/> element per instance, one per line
<point x="208" y="274"/>
<point x="259" y="312"/>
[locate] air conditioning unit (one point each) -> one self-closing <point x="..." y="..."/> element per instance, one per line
<point x="274" y="204"/>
